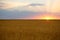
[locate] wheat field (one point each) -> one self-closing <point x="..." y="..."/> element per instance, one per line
<point x="29" y="29"/>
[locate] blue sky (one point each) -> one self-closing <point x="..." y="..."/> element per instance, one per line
<point x="33" y="9"/>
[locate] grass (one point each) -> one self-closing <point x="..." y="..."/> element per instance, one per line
<point x="29" y="29"/>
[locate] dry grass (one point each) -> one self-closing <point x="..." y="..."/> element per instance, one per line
<point x="29" y="30"/>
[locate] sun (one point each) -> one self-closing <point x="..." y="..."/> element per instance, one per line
<point x="48" y="18"/>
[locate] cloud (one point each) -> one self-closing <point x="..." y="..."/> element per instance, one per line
<point x="56" y="7"/>
<point x="8" y="5"/>
<point x="53" y="5"/>
<point x="32" y="7"/>
<point x="36" y="7"/>
<point x="21" y="6"/>
<point x="6" y="14"/>
<point x="28" y="10"/>
<point x="36" y="4"/>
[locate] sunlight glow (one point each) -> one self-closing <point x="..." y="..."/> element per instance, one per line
<point x="48" y="18"/>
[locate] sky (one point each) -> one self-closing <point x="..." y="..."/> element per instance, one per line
<point x="29" y="9"/>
